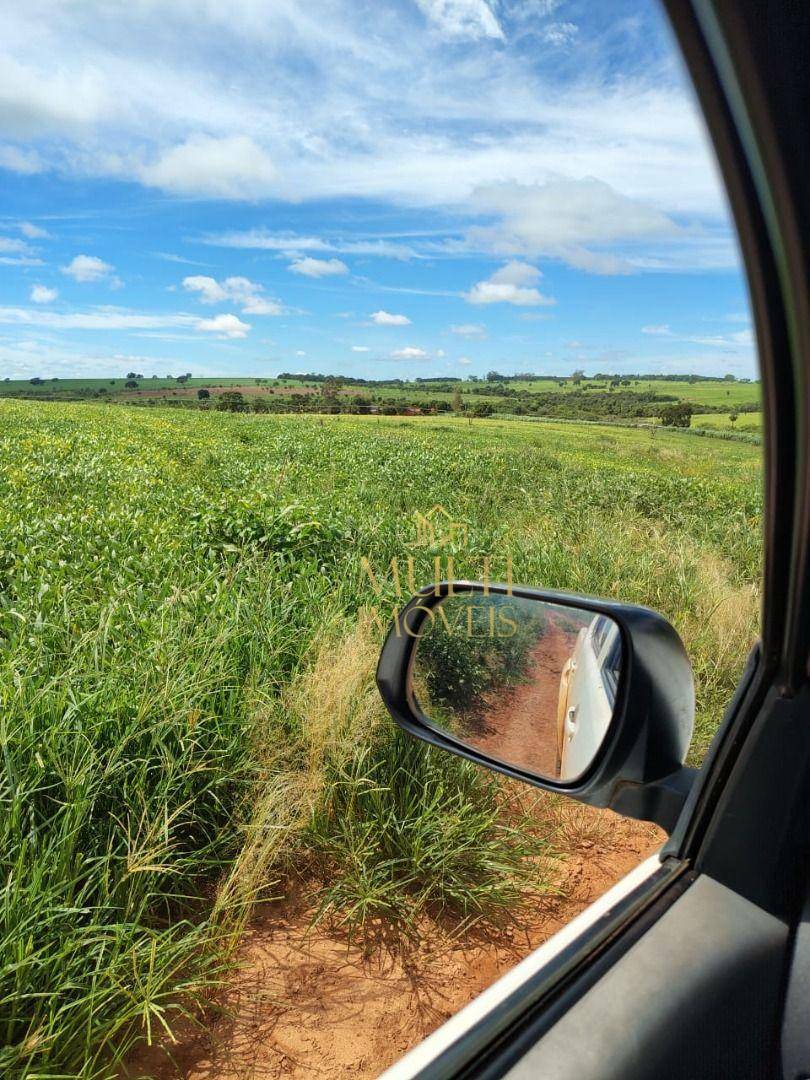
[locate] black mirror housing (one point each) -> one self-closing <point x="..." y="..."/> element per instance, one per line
<point x="639" y="770"/>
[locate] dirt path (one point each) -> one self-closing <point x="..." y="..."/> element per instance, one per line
<point x="305" y="1003"/>
<point x="521" y="724"/>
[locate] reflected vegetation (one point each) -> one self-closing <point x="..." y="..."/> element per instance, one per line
<point x="530" y="683"/>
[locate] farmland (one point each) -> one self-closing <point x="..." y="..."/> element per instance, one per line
<point x="189" y="631"/>
<point x="616" y="398"/>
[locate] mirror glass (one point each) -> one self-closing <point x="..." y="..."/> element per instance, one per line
<point x="530" y="683"/>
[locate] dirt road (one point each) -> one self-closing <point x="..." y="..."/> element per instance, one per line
<point x="306" y="1003"/>
<point x="520" y="725"/>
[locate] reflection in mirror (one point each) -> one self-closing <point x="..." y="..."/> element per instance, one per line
<point x="530" y="683"/>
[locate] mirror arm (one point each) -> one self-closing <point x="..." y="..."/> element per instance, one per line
<point x="659" y="801"/>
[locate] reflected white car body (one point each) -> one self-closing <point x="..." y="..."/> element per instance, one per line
<point x="587" y="696"/>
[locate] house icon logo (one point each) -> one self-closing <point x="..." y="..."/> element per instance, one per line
<point x="436" y="528"/>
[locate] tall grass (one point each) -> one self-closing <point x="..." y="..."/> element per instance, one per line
<point x="186" y="680"/>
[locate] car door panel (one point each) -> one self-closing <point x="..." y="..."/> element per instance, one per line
<point x="697" y="995"/>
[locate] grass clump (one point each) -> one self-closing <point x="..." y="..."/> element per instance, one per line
<point x="403" y="831"/>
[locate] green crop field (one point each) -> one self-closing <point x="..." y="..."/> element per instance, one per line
<point x="189" y="633"/>
<point x="748" y="422"/>
<point x="701" y="393"/>
<point x="80" y="388"/>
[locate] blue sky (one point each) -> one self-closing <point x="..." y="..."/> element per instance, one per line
<point x="409" y="188"/>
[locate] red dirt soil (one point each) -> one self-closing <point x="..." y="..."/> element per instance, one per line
<point x="521" y="724"/>
<point x="306" y="1003"/>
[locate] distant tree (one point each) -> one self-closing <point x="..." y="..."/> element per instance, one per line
<point x="131" y="375"/>
<point x="678" y="415"/>
<point x="389" y="410"/>
<point x="455" y="401"/>
<point x="729" y="378"/>
<point x="494" y="376"/>
<point x="203" y="394"/>
<point x="36" y="381"/>
<point x="331" y="386"/>
<point x="260" y="405"/>
<point x="732" y="419"/>
<point x="131" y="384"/>
<point x="231" y="401"/>
<point x="482" y="408"/>
<point x="182" y="378"/>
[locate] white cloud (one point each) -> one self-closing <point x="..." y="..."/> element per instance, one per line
<point x="464" y="360"/>
<point x="360" y="348"/>
<point x="169" y="256"/>
<point x="85" y="268"/>
<point x="560" y="33"/>
<point x="209" y="289"/>
<point x="12" y="245"/>
<point x="469" y="330"/>
<point x="385" y="318"/>
<point x="531" y="12"/>
<point x="229" y="326"/>
<point x="462" y="18"/>
<point x="29" y="356"/>
<point x="33" y="232"/>
<point x="300" y="352"/>
<point x="365" y="102"/>
<point x="229" y="167"/>
<point x="660" y="329"/>
<point x="410" y="352"/>
<point x="291" y="245"/>
<point x="15" y="252"/>
<point x="512" y="284"/>
<point x="41" y="294"/>
<point x="738" y="340"/>
<point x="24" y="162"/>
<point x="316" y="268"/>
<point x="572" y="220"/>
<point x="239" y="290"/>
<point x="259" y="305"/>
<point x="741" y="339"/>
<point x="20" y="260"/>
<point x="114" y="318"/>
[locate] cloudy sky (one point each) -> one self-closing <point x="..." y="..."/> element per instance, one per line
<point x="376" y="187"/>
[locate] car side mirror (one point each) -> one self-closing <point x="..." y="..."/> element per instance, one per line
<point x="588" y="697"/>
